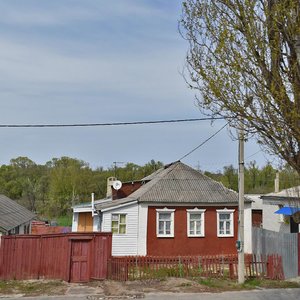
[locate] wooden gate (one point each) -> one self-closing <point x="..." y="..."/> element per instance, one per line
<point x="80" y="261"/>
<point x="76" y="257"/>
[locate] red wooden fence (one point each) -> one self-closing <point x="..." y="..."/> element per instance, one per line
<point x="144" y="267"/>
<point x="76" y="257"/>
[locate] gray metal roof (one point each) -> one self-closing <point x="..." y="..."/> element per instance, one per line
<point x="179" y="183"/>
<point x="114" y="203"/>
<point x="13" y="214"/>
<point x="293" y="192"/>
<point x="290" y="196"/>
<point x="89" y="204"/>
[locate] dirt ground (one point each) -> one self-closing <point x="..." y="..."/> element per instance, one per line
<point x="175" y="285"/>
<point x="132" y="289"/>
<point x="137" y="288"/>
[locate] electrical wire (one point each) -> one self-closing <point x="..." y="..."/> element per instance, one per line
<point x="190" y="152"/>
<point x="253" y="154"/>
<point x="109" y="124"/>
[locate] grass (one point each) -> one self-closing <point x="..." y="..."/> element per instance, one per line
<point x="32" y="287"/>
<point x="219" y="284"/>
<point x="64" y="220"/>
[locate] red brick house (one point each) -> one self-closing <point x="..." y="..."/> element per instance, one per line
<point x="174" y="211"/>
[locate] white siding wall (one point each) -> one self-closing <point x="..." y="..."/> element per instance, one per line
<point x="75" y="222"/>
<point x="123" y="244"/>
<point x="142" y="229"/>
<point x="256" y="204"/>
<point x="272" y="221"/>
<point x="248" y="228"/>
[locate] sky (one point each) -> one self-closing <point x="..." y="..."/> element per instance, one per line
<point x="98" y="61"/>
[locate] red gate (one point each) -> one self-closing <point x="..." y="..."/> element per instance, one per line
<point x="80" y="261"/>
<point x="75" y="257"/>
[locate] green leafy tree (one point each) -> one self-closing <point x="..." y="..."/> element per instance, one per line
<point x="251" y="177"/>
<point x="244" y="59"/>
<point x="9" y="182"/>
<point x="70" y="183"/>
<point x="288" y="177"/>
<point x="24" y="180"/>
<point x="215" y="176"/>
<point x="151" y="167"/>
<point x="230" y="177"/>
<point x="267" y="177"/>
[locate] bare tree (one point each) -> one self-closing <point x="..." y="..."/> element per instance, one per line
<point x="243" y="60"/>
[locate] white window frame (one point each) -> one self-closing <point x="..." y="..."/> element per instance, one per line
<point x="196" y="211"/>
<point x="281" y="217"/>
<point x="119" y="223"/>
<point x="225" y="211"/>
<point x="165" y="210"/>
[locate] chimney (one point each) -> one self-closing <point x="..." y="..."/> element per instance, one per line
<point x="276" y="183"/>
<point x="110" y="181"/>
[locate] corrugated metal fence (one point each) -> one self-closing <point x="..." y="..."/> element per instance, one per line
<point x="284" y="244"/>
<point x="75" y="257"/>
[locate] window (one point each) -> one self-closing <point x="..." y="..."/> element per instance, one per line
<point x="165" y="222"/>
<point x="195" y="222"/>
<point x="118" y="223"/>
<point x="281" y="217"/>
<point x="225" y="222"/>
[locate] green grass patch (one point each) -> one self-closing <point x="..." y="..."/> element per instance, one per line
<point x="65" y="221"/>
<point x="265" y="283"/>
<point x="33" y="287"/>
<point x="219" y="284"/>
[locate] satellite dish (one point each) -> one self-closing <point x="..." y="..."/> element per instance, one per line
<point x="117" y="184"/>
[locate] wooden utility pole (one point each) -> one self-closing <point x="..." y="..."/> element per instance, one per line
<point x="240" y="242"/>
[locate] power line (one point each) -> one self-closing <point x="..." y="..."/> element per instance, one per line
<point x="109" y="124"/>
<point x="253" y="154"/>
<point x="204" y="142"/>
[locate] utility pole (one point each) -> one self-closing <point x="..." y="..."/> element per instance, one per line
<point x="240" y="242"/>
